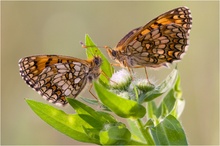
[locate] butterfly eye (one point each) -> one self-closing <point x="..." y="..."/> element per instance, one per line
<point x="114" y="53"/>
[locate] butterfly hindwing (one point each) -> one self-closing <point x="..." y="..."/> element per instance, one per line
<point x="54" y="77"/>
<point x="61" y="80"/>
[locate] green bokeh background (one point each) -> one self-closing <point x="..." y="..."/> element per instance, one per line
<point x="30" y="28"/>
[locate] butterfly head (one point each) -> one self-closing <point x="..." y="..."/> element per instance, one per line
<point x="95" y="70"/>
<point x="113" y="54"/>
<point x="97" y="61"/>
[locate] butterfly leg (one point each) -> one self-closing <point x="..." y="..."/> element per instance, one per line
<point x="91" y="85"/>
<point x="126" y="66"/>
<point x="113" y="64"/>
<point x="104" y="74"/>
<point x="131" y="72"/>
<point x="145" y="69"/>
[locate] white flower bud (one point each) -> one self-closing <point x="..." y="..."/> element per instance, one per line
<point x="143" y="85"/>
<point x="120" y="80"/>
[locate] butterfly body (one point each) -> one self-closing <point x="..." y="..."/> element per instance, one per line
<point x="55" y="77"/>
<point x="161" y="41"/>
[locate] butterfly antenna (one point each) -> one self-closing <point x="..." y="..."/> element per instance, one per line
<point x="93" y="53"/>
<point x="84" y="46"/>
<point x="107" y="47"/>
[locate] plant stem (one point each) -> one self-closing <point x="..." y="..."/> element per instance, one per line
<point x="145" y="133"/>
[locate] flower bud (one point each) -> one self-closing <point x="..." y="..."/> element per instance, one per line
<point x="121" y="80"/>
<point x="143" y="85"/>
<point x="114" y="135"/>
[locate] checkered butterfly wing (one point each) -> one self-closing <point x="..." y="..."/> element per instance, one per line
<point x="54" y="77"/>
<point x="162" y="40"/>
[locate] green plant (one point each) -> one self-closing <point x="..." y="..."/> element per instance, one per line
<point x="147" y="124"/>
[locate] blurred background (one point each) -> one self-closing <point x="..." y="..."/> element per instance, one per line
<point x="31" y="28"/>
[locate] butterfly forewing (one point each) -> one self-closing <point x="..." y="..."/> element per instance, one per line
<point x="131" y="33"/>
<point x="55" y="77"/>
<point x="162" y="45"/>
<point x="180" y="16"/>
<point x="162" y="40"/>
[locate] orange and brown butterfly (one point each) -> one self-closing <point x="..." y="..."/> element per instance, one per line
<point x="56" y="77"/>
<point x="163" y="40"/>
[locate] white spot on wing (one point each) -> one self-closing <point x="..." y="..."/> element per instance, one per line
<point x="77" y="80"/>
<point x="76" y="73"/>
<point x="74" y="92"/>
<point x="62" y="71"/>
<point x="49" y="92"/>
<point x="65" y="86"/>
<point x="60" y="66"/>
<point x="56" y="80"/>
<point x="58" y="75"/>
<point x="77" y="68"/>
<point x="70" y="75"/>
<point x="77" y="63"/>
<point x="67" y="92"/>
<point x="61" y="83"/>
<point x="44" y="97"/>
<point x="155" y="32"/>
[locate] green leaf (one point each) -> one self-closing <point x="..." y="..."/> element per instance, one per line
<point x="180" y="102"/>
<point x="90" y="101"/>
<point x="95" y="123"/>
<point x="82" y="108"/>
<point x="169" y="82"/>
<point x="115" y="134"/>
<point x="106" y="67"/>
<point x="120" y="106"/>
<point x="135" y="131"/>
<point x="165" y="111"/>
<point x="137" y="143"/>
<point x="152" y="109"/>
<point x="169" y="132"/>
<point x="71" y="125"/>
<point x="173" y="101"/>
<point x="165" y="86"/>
<point x="92" y="133"/>
<point x="150" y="95"/>
<point x="177" y="88"/>
<point x="149" y="123"/>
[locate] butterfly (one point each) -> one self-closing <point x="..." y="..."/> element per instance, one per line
<point x="54" y="77"/>
<point x="161" y="41"/>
